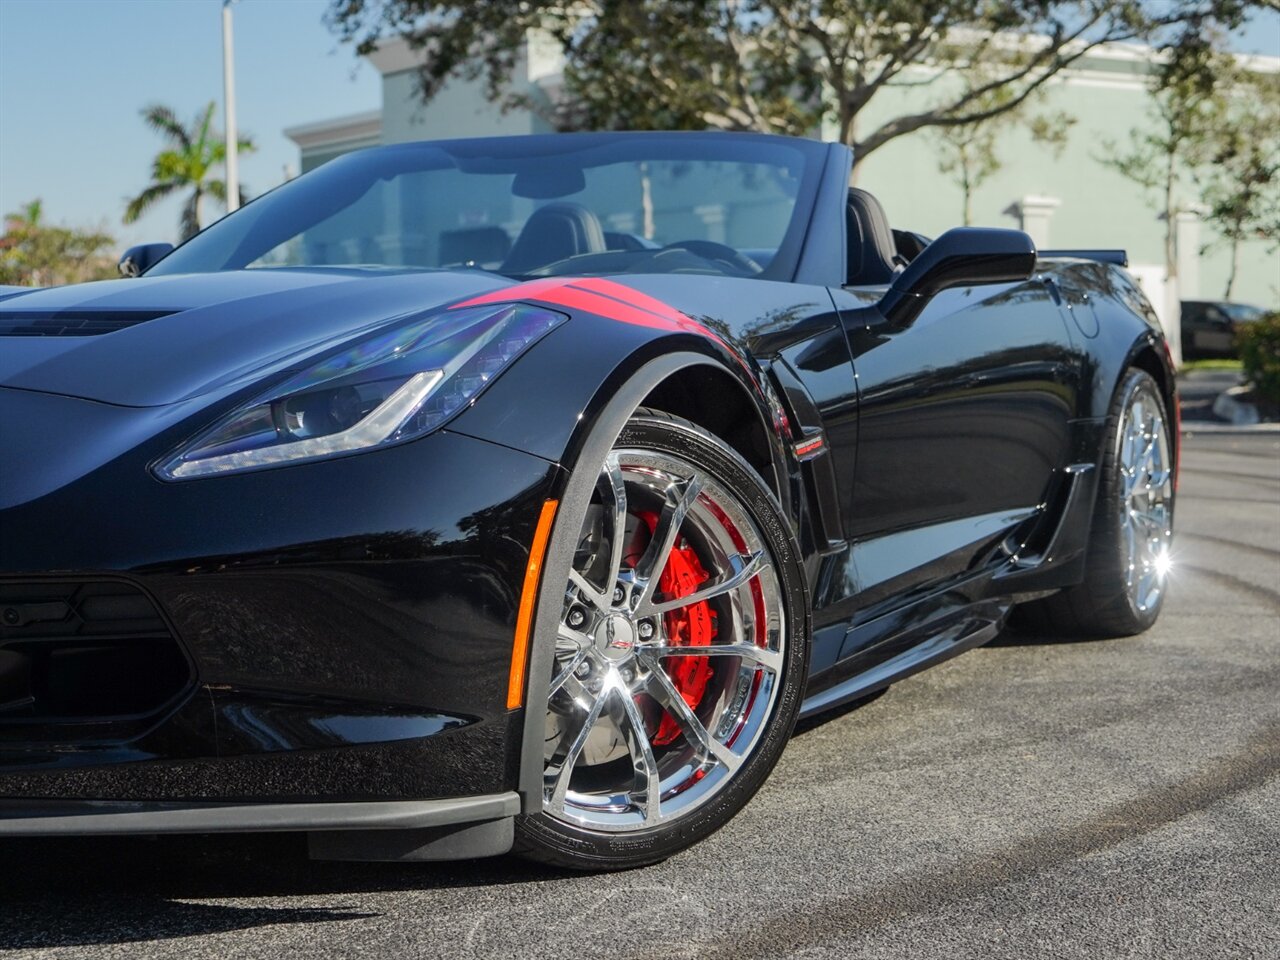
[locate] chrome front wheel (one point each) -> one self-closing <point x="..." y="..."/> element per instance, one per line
<point x="679" y="654"/>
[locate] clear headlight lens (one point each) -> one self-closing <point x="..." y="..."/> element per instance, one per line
<point x="395" y="385"/>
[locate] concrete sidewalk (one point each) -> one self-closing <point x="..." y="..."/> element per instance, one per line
<point x="1207" y="408"/>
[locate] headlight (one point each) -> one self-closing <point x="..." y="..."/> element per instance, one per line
<point x="392" y="386"/>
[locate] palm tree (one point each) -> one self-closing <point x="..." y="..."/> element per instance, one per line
<point x="26" y="220"/>
<point x="186" y="164"/>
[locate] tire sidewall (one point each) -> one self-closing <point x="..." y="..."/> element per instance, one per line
<point x="1112" y="501"/>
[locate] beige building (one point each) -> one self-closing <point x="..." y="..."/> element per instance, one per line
<point x="1066" y="199"/>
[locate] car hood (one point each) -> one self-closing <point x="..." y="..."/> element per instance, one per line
<point x="155" y="341"/>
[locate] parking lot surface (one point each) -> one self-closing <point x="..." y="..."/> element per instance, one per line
<point x="1028" y="799"/>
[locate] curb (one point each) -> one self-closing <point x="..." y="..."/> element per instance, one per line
<point x="1237" y="412"/>
<point x="1236" y="416"/>
<point x="1192" y="427"/>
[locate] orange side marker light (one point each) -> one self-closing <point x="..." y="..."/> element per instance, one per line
<point x="528" y="598"/>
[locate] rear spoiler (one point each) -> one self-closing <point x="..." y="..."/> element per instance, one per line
<point x="1119" y="257"/>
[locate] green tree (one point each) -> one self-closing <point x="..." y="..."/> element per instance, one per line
<point x="967" y="151"/>
<point x="1163" y="157"/>
<point x="1241" y="178"/>
<point x="35" y="253"/>
<point x="187" y="163"/>
<point x="778" y="66"/>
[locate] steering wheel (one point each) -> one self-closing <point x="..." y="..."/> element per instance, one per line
<point x="716" y="253"/>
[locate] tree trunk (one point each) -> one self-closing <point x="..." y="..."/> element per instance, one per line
<point x="966" y="184"/>
<point x="1170" y="222"/>
<point x="1235" y="263"/>
<point x="848" y="134"/>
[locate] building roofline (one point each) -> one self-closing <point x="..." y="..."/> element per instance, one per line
<point x="354" y="126"/>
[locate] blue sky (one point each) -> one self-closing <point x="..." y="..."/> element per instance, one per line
<point x="74" y="75"/>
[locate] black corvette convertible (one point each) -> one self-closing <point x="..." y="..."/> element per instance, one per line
<point x="521" y="493"/>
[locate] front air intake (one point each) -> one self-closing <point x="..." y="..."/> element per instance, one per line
<point x="72" y="323"/>
<point x="77" y="653"/>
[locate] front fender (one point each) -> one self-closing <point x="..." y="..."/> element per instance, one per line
<point x="553" y="398"/>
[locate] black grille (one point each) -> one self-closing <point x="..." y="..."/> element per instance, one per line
<point x="72" y="323"/>
<point x="74" y="651"/>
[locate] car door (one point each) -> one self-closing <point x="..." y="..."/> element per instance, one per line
<point x="1215" y="333"/>
<point x="963" y="419"/>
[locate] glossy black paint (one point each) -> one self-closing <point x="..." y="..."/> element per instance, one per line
<point x="963" y="257"/>
<point x="350" y="621"/>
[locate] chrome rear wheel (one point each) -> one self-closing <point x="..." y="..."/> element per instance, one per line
<point x="1128" y="558"/>
<point x="1146" y="472"/>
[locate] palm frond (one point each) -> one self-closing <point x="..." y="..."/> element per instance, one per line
<point x="218" y="190"/>
<point x="164" y="121"/>
<point x="202" y="124"/>
<point x="147" y="199"/>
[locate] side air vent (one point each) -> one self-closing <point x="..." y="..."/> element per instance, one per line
<point x="72" y="323"/>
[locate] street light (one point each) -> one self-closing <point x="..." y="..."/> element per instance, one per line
<point x="229" y="109"/>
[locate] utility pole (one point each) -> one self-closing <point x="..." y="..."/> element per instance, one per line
<point x="229" y="109"/>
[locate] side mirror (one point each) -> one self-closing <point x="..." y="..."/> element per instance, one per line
<point x="961" y="257"/>
<point x="137" y="260"/>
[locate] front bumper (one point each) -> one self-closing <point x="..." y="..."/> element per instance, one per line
<point x="348" y="626"/>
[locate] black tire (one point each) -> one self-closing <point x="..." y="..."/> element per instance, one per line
<point x="1102" y="605"/>
<point x="551" y="840"/>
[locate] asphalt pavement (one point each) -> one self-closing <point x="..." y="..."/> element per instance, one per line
<point x="1107" y="799"/>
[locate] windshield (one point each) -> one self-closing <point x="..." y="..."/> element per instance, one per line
<point x="1240" y="311"/>
<point x="532" y="207"/>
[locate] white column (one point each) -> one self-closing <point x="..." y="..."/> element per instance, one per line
<point x="229" y="109"/>
<point x="1187" y="241"/>
<point x="713" y="215"/>
<point x="1034" y="213"/>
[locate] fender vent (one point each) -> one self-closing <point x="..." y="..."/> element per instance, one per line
<point x="72" y="323"/>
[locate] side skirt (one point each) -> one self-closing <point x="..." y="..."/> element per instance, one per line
<point x="970" y="633"/>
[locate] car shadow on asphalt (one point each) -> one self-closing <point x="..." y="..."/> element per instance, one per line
<point x="1014" y="637"/>
<point x="119" y="890"/>
<point x="65" y="892"/>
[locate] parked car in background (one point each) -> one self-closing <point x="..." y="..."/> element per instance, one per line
<point x="1209" y="327"/>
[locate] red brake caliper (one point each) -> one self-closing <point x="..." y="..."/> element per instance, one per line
<point x="691" y="626"/>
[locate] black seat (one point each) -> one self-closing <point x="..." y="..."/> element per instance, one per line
<point x="870" y="245"/>
<point x="555" y="232"/>
<point x="480" y="245"/>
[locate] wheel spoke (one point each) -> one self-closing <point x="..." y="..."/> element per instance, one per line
<point x="659" y="686"/>
<point x="559" y="769"/>
<point x="577" y="638"/>
<point x="1131" y="544"/>
<point x="679" y="499"/>
<point x="767" y="659"/>
<point x="1155" y="521"/>
<point x="614" y="492"/>
<point x="741" y="571"/>
<point x="626" y="717"/>
<point x="568" y="670"/>
<point x="594" y="596"/>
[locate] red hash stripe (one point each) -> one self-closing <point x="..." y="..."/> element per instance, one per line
<point x="596" y="295"/>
